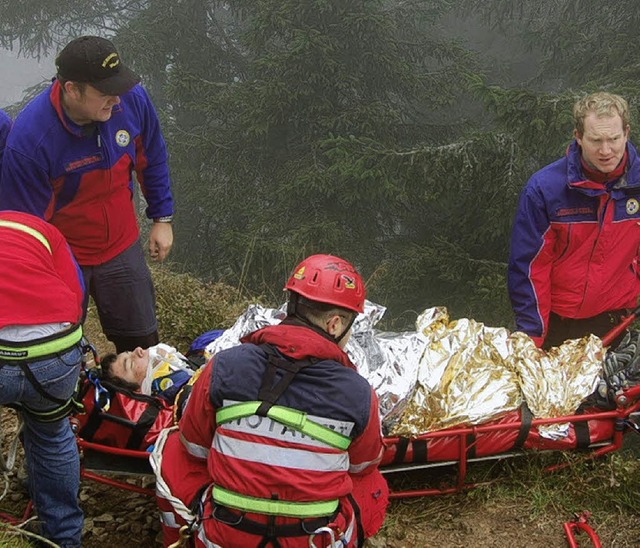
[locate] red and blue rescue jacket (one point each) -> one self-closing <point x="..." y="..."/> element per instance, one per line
<point x="80" y="178"/>
<point x="575" y="245"/>
<point x="260" y="459"/>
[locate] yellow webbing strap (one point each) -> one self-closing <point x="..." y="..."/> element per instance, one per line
<point x="292" y="418"/>
<point x="32" y="231"/>
<point x="274" y="507"/>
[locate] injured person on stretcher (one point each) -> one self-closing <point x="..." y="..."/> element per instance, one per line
<point x="159" y="370"/>
<point x="444" y="374"/>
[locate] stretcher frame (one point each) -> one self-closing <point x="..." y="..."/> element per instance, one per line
<point x="627" y="404"/>
<point x="100" y="463"/>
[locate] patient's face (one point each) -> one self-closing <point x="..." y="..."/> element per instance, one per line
<point x="131" y="366"/>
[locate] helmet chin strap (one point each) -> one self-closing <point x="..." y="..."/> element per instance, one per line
<point x="293" y="314"/>
<point x="346" y="330"/>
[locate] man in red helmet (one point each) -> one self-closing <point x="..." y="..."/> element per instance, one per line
<point x="281" y="439"/>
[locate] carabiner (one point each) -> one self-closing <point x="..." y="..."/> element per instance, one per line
<point x="185" y="533"/>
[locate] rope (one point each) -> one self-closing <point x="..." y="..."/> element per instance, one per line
<point x="18" y="529"/>
<point x="6" y="465"/>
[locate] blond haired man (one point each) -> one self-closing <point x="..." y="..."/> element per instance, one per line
<point x="575" y="246"/>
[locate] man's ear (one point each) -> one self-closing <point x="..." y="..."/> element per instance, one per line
<point x="578" y="136"/>
<point x="334" y="325"/>
<point x="71" y="88"/>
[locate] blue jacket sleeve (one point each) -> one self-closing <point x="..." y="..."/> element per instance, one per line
<point x="152" y="167"/>
<point x="5" y="126"/>
<point x="529" y="275"/>
<point x="24" y="185"/>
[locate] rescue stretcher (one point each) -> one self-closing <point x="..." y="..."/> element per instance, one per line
<point x="108" y="454"/>
<point x="595" y="432"/>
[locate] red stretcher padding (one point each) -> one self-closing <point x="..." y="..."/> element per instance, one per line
<point x="133" y="421"/>
<point x="513" y="432"/>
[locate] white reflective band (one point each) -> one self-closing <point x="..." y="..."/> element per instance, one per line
<point x="284" y="457"/>
<point x="205" y="541"/>
<point x="194" y="449"/>
<point x="169" y="520"/>
<point x="355" y="468"/>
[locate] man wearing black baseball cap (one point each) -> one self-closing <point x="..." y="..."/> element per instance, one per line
<point x="71" y="159"/>
<point x="95" y="60"/>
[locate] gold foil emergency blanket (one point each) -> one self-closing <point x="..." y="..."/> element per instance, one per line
<point x="463" y="377"/>
<point x="554" y="383"/>
<point x="448" y="373"/>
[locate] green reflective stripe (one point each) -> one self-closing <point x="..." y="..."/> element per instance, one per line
<point x="28" y="230"/>
<point x="274" y="507"/>
<point x="289" y="417"/>
<point x="43" y="349"/>
<point x="299" y="420"/>
<point x="236" y="411"/>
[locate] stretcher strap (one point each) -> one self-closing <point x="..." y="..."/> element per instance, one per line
<point x="138" y="429"/>
<point x="420" y="451"/>
<point x="401" y="450"/>
<point x="144" y="424"/>
<point x="526" y="416"/>
<point x="583" y="437"/>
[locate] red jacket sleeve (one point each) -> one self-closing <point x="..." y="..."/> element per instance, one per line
<point x="67" y="267"/>
<point x="198" y="423"/>
<point x="365" y="452"/>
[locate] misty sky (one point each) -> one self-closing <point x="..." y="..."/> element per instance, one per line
<point x="20" y="73"/>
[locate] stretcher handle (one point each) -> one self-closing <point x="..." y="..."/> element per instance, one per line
<point x="569" y="528"/>
<point x="626" y="322"/>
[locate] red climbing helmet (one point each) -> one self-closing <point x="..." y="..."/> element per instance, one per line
<point x="329" y="279"/>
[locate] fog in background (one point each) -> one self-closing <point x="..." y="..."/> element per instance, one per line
<point x="398" y="134"/>
<point x="19" y="73"/>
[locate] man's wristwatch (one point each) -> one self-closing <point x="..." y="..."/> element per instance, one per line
<point x="165" y="219"/>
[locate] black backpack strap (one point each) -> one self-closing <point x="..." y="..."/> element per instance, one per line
<point x="144" y="424"/>
<point x="273" y="387"/>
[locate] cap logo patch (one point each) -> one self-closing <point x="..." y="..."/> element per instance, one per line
<point x="299" y="275"/>
<point x="123" y="138"/>
<point x="632" y="206"/>
<point x="111" y="61"/>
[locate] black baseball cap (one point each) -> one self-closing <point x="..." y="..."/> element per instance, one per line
<point x="95" y="60"/>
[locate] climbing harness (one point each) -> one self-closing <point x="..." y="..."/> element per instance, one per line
<point x="315" y="517"/>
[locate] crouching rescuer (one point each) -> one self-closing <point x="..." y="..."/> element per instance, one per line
<point x="281" y="440"/>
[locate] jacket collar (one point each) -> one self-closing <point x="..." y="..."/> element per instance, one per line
<point x="299" y="342"/>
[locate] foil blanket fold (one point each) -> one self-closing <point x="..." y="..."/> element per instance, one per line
<point x="448" y="373"/>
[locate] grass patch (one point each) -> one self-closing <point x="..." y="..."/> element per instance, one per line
<point x="523" y="489"/>
<point x="187" y="306"/>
